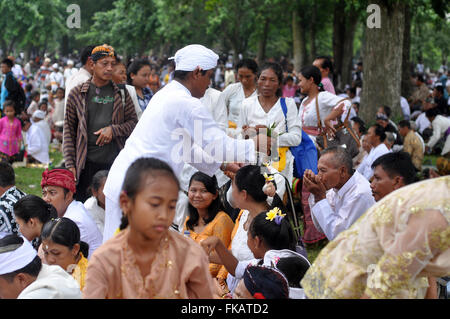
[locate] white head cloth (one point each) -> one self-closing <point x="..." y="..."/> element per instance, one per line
<point x="195" y="55"/>
<point x="17" y="259"/>
<point x="39" y="114"/>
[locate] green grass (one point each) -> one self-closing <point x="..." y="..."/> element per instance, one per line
<point x="28" y="179"/>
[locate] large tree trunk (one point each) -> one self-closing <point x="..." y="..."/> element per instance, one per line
<point x="383" y="62"/>
<point x="344" y="27"/>
<point x="406" y="63"/>
<point x="299" y="43"/>
<point x="313" y="26"/>
<point x="262" y="43"/>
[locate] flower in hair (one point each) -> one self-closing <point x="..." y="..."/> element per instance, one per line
<point x="275" y="215"/>
<point x="258" y="295"/>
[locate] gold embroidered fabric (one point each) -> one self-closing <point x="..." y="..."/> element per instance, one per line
<point x="390" y="250"/>
<point x="179" y="270"/>
<point x="221" y="226"/>
<point x="413" y="146"/>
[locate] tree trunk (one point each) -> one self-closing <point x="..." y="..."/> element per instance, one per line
<point x="406" y="59"/>
<point x="262" y="43"/>
<point x="313" y="32"/>
<point x="298" y="39"/>
<point x="383" y="61"/>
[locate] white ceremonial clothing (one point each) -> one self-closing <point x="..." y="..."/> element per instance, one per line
<point x="68" y="72"/>
<point x="219" y="114"/>
<point x="97" y="213"/>
<point x="231" y="98"/>
<point x="132" y="91"/>
<point x="56" y="79"/>
<point x="327" y="102"/>
<point x="440" y="125"/>
<point x="252" y="114"/>
<point x="89" y="232"/>
<point x="341" y="208"/>
<point x="80" y="77"/>
<point x="53" y="282"/>
<point x="422" y="122"/>
<point x="174" y="121"/>
<point x="366" y="165"/>
<point x="38" y="143"/>
<point x="406" y="110"/>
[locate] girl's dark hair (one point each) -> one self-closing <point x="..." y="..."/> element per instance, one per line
<point x="294" y="269"/>
<point x="134" y="68"/>
<point x="138" y="172"/>
<point x="211" y="186"/>
<point x="266" y="281"/>
<point x="275" y="67"/>
<point x="64" y="231"/>
<point x="31" y="206"/>
<point x="250" y="179"/>
<point x="97" y="180"/>
<point x="249" y="64"/>
<point x="273" y="235"/>
<point x="312" y="71"/>
<point x="42" y="103"/>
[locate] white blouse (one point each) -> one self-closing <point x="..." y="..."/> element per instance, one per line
<point x="232" y="98"/>
<point x="327" y="102"/>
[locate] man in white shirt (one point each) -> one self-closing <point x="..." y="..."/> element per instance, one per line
<point x="56" y="78"/>
<point x="58" y="188"/>
<point x="83" y="74"/>
<point x="441" y="129"/>
<point x="69" y="71"/>
<point x="179" y="115"/>
<point x="339" y="195"/>
<point x="375" y="136"/>
<point x="23" y="276"/>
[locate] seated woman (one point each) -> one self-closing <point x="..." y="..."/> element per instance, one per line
<point x="62" y="246"/>
<point x="31" y="213"/>
<point x="95" y="204"/>
<point x="206" y="217"/>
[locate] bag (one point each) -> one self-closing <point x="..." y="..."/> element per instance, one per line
<point x="344" y="136"/>
<point x="305" y="154"/>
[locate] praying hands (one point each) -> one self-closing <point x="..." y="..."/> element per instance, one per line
<point x="314" y="185"/>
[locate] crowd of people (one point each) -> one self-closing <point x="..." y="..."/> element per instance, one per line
<point x="192" y="178"/>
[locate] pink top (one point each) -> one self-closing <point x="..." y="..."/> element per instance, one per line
<point x="289" y="91"/>
<point x="10" y="136"/>
<point x="328" y="85"/>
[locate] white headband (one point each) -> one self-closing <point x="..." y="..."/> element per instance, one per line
<point x="17" y="259"/>
<point x="39" y="114"/>
<point x="193" y="56"/>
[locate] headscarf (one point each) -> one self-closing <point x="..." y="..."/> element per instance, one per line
<point x="195" y="55"/>
<point x="102" y="51"/>
<point x="18" y="258"/>
<point x="59" y="177"/>
<point x="39" y="114"/>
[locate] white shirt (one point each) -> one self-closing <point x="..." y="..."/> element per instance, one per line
<point x="405" y="108"/>
<point x="97" y="213"/>
<point x="366" y="165"/>
<point x="341" y="208"/>
<point x="38" y="143"/>
<point x="174" y="120"/>
<point x="17" y="71"/>
<point x="219" y="114"/>
<point x="89" y="232"/>
<point x="252" y="114"/>
<point x="80" y="77"/>
<point x="53" y="282"/>
<point x="56" y="80"/>
<point x="327" y="102"/>
<point x="231" y="97"/>
<point x="68" y="72"/>
<point x="440" y="125"/>
<point x="422" y="122"/>
<point x="132" y="91"/>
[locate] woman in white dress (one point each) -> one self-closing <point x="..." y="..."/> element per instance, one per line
<point x="233" y="95"/>
<point x="264" y="111"/>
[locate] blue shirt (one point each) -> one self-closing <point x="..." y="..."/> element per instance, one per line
<point x="4" y="94"/>
<point x="143" y="102"/>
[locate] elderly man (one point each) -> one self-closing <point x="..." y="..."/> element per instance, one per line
<point x="339" y="195"/>
<point x="184" y="129"/>
<point x="23" y="276"/>
<point x="412" y="143"/>
<point x="97" y="122"/>
<point x="391" y="171"/>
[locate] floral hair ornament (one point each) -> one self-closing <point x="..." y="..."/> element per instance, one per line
<point x="275" y="215"/>
<point x="258" y="295"/>
<point x="269" y="178"/>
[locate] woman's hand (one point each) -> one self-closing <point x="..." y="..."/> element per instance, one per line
<point x="209" y="244"/>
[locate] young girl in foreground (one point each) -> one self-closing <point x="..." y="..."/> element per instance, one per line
<point x="146" y="260"/>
